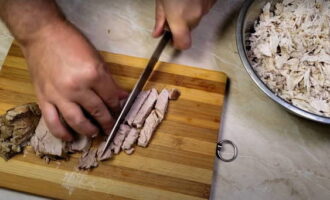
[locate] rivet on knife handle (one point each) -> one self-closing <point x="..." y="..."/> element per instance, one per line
<point x="138" y="87"/>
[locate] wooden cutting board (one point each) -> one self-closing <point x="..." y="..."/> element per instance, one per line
<point x="178" y="164"/>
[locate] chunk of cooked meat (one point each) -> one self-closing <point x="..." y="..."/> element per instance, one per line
<point x="129" y="151"/>
<point x="81" y="143"/>
<point x="17" y="126"/>
<point x="145" y="109"/>
<point x="174" y="94"/>
<point x="162" y="103"/>
<point x="130" y="140"/>
<point x="148" y="129"/>
<point x="119" y="138"/>
<point x="47" y="145"/>
<point x="290" y="51"/>
<point x="88" y="160"/>
<point x="106" y="155"/>
<point x="114" y="147"/>
<point x="140" y="99"/>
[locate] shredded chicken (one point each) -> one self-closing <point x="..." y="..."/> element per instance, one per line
<point x="290" y="51"/>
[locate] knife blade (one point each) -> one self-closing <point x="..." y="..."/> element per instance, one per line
<point x="138" y="87"/>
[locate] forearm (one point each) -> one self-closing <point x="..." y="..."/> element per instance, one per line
<point x="26" y="18"/>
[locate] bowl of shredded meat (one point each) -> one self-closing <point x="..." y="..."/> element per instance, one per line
<point x="285" y="47"/>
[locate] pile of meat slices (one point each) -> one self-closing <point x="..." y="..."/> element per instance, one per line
<point x="17" y="126"/>
<point x="145" y="115"/>
<point x="290" y="51"/>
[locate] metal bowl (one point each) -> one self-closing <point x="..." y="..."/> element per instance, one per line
<point x="249" y="13"/>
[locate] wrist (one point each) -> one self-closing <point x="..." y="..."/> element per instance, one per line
<point x="42" y="32"/>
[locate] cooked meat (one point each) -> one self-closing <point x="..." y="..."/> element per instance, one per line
<point x="148" y="129"/>
<point x="174" y="94"/>
<point x="145" y="109"/>
<point x="16" y="128"/>
<point x="88" y="159"/>
<point x="129" y="151"/>
<point x="140" y="99"/>
<point x="81" y="143"/>
<point x="130" y="140"/>
<point x="107" y="154"/>
<point x="45" y="144"/>
<point x="161" y="104"/>
<point x="116" y="144"/>
<point x="119" y="138"/>
<point x="290" y="51"/>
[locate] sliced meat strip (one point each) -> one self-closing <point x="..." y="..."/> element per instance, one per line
<point x="45" y="144"/>
<point x="129" y="151"/>
<point x="81" y="143"/>
<point x="130" y="140"/>
<point x="148" y="129"/>
<point x="161" y="104"/>
<point x="174" y="94"/>
<point x="107" y="154"/>
<point x="17" y="126"/>
<point x="119" y="138"/>
<point x="140" y="99"/>
<point x="145" y="109"/>
<point x="88" y="159"/>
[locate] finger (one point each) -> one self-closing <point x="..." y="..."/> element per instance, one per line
<point x="53" y="122"/>
<point x="97" y="109"/>
<point x="212" y="3"/>
<point x="74" y="117"/>
<point x="122" y="94"/>
<point x="207" y="6"/>
<point x="181" y="34"/>
<point x="159" y="20"/>
<point x="109" y="92"/>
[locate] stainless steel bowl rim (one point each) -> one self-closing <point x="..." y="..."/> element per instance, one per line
<point x="258" y="81"/>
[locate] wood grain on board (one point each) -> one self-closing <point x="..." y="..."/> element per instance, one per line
<point x="178" y="163"/>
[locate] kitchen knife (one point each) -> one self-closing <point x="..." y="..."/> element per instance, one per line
<point x="138" y="87"/>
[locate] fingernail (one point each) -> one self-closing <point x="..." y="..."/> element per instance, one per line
<point x="95" y="135"/>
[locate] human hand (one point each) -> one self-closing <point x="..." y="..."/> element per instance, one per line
<point x="182" y="16"/>
<point x="69" y="76"/>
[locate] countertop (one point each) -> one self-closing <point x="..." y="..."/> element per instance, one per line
<point x="281" y="156"/>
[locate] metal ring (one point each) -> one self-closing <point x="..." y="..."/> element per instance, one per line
<point x="219" y="148"/>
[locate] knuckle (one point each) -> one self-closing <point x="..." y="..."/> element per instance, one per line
<point x="92" y="72"/>
<point x="196" y="15"/>
<point x="112" y="102"/>
<point x="74" y="120"/>
<point x="92" y="75"/>
<point x="71" y="83"/>
<point x="89" y="130"/>
<point x="96" y="111"/>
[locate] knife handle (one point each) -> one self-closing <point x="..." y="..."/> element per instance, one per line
<point x="167" y="27"/>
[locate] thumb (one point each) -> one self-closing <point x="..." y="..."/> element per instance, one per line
<point x="181" y="34"/>
<point x="159" y="20"/>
